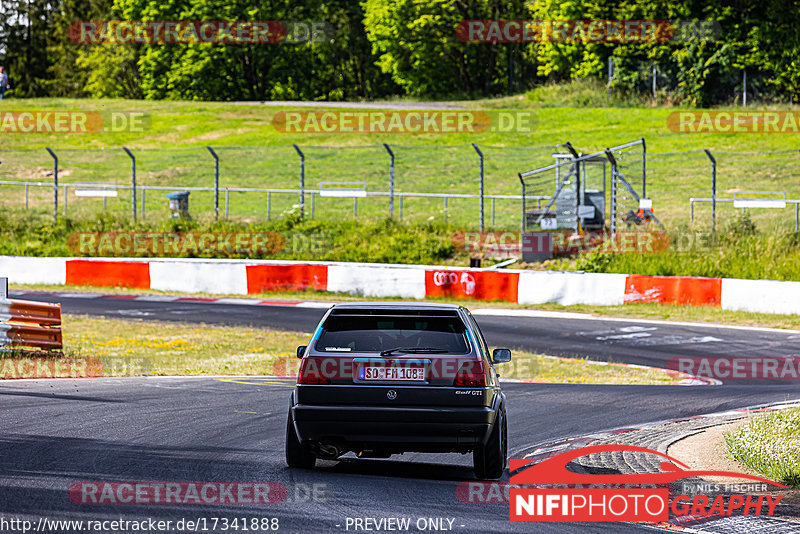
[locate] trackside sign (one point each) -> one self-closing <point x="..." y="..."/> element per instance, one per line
<point x="645" y="497"/>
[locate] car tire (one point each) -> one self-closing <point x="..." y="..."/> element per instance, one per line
<point x="297" y="454"/>
<point x="489" y="459"/>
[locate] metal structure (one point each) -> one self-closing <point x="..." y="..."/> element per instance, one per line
<point x="216" y="182"/>
<point x="302" y="181"/>
<point x="391" y="179"/>
<point x="133" y="179"/>
<point x="578" y="199"/>
<point x="713" y="192"/>
<point x="55" y="186"/>
<point x="747" y="203"/>
<point x="25" y="323"/>
<point x="480" y="156"/>
<point x="354" y="190"/>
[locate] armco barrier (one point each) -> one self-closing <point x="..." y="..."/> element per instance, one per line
<point x="41" y="328"/>
<point x="405" y="281"/>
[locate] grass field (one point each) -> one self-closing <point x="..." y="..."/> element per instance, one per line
<point x="770" y="444"/>
<point x="171" y="152"/>
<point x="158" y="348"/>
<point x="653" y="311"/>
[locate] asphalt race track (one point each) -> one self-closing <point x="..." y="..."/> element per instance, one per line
<point x="60" y="432"/>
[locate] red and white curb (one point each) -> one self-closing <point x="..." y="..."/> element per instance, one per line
<point x="543" y="451"/>
<point x="548" y="449"/>
<point x="247" y="277"/>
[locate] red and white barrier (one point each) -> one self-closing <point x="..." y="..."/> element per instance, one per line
<point x="604" y="289"/>
<point x="241" y="277"/>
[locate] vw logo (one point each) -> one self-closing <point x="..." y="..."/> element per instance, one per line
<point x="391" y="394"/>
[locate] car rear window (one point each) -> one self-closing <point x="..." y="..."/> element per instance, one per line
<point x="357" y="333"/>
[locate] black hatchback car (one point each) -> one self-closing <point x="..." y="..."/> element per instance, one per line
<point x="385" y="378"/>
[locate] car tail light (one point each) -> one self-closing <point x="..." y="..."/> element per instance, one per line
<point x="472" y="374"/>
<point x="310" y="373"/>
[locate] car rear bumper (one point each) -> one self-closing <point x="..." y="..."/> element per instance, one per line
<point x="454" y="427"/>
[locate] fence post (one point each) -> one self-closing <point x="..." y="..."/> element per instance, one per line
<point x="445" y="210"/>
<point x="744" y="88"/>
<point x="613" y="161"/>
<point x="302" y="178"/>
<point x="480" y="157"/>
<point x="391" y="179"/>
<point x="578" y="188"/>
<point x="492" y="212"/>
<point x="312" y="204"/>
<point x="216" y="182"/>
<point x="522" y="183"/>
<point x="644" y="169"/>
<point x="55" y="184"/>
<point x="133" y="179"/>
<point x="713" y="191"/>
<point x="227" y="199"/>
<point x="26" y="196"/>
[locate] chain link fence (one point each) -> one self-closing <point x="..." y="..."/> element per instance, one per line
<point x="430" y="182"/>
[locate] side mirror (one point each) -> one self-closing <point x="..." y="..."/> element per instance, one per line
<point x="301" y="350"/>
<point x="501" y="356"/>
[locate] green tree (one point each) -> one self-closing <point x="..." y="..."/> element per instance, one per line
<point x="25" y="33"/>
<point x="419" y="47"/>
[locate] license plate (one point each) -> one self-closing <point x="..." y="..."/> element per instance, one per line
<point x="369" y="372"/>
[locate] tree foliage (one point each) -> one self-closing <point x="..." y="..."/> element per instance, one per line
<point x="385" y="48"/>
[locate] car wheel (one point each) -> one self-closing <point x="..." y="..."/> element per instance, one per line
<point x="489" y="459"/>
<point x="297" y="455"/>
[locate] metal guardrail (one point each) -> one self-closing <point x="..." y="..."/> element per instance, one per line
<point x="41" y="322"/>
<point x="796" y="203"/>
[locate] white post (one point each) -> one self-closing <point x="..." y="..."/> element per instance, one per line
<point x="744" y="89"/>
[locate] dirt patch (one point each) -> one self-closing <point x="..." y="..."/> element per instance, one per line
<point x="707" y="451"/>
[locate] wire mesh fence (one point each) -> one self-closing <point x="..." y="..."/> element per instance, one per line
<point x="430" y="182"/>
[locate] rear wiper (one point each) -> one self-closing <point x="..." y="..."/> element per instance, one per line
<point x="414" y="350"/>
